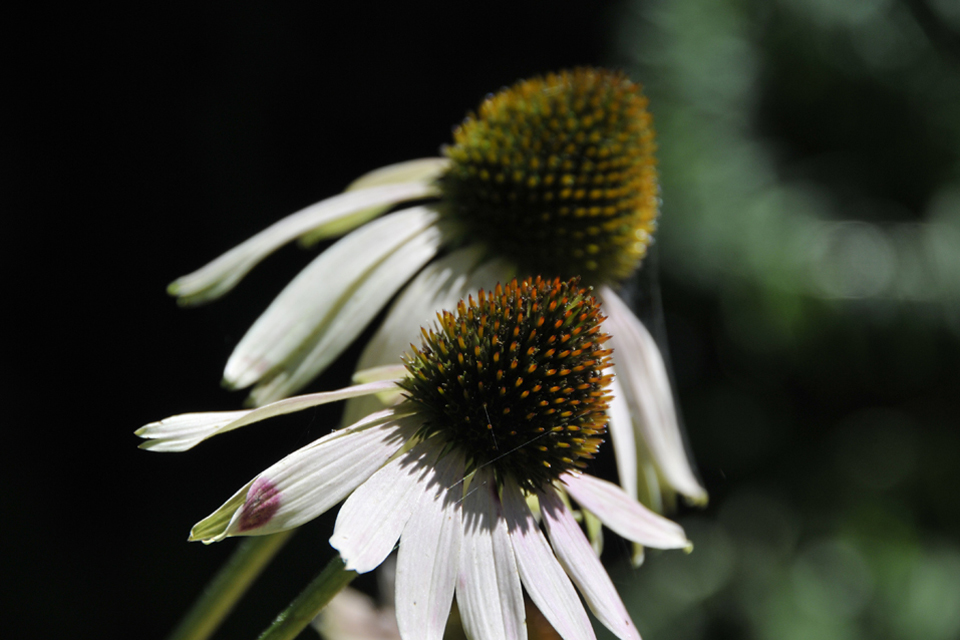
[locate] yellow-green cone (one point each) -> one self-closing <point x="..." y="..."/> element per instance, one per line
<point x="558" y="174"/>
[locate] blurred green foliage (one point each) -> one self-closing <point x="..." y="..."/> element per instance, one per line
<point x="810" y="246"/>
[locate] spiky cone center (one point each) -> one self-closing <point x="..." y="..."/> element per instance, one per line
<point x="558" y="173"/>
<point x="515" y="380"/>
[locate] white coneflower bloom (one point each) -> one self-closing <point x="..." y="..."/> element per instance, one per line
<point x="553" y="176"/>
<point x="503" y="403"/>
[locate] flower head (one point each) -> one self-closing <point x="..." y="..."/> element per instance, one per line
<point x="518" y="371"/>
<point x="566" y="164"/>
<point x="553" y="176"/>
<point x="504" y="400"/>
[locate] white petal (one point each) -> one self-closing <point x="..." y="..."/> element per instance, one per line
<point x="489" y="594"/>
<point x="221" y="275"/>
<point x="184" y="431"/>
<point x="384" y="372"/>
<point x="583" y="566"/>
<point x="320" y="293"/>
<point x="628" y="457"/>
<point x="623" y="514"/>
<point x="543" y="577"/>
<point x="440" y="285"/>
<point x="371" y="520"/>
<point x="347" y="321"/>
<point x="643" y="375"/>
<point x="429" y="557"/>
<point x="621" y="434"/>
<point x="310" y="480"/>
<point x="386" y="398"/>
<point x="420" y="170"/>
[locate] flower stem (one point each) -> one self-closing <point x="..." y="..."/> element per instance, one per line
<point x="228" y="586"/>
<point x="311" y="600"/>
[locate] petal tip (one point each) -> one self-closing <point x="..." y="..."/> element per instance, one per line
<point x="699" y="499"/>
<point x="199" y="533"/>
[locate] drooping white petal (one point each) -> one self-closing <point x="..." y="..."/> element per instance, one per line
<point x="489" y="594"/>
<point x="429" y="559"/>
<point x="437" y="286"/>
<point x="310" y="480"/>
<point x="628" y="458"/>
<point x="386" y="398"/>
<point x="358" y="264"/>
<point x="185" y="431"/>
<point x="541" y="573"/>
<point x="623" y="514"/>
<point x="420" y="170"/>
<point x="222" y="274"/>
<point x="371" y="520"/>
<point x="643" y="375"/>
<point x="620" y="428"/>
<point x="384" y="372"/>
<point x="440" y="285"/>
<point x="583" y="566"/>
<point x="346" y="322"/>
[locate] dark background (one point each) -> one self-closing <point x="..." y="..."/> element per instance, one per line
<point x="820" y="399"/>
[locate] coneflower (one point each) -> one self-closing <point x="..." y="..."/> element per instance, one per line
<point x="503" y="403"/>
<point x="554" y="176"/>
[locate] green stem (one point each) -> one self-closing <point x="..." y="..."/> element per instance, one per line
<point x="228" y="586"/>
<point x="311" y="600"/>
